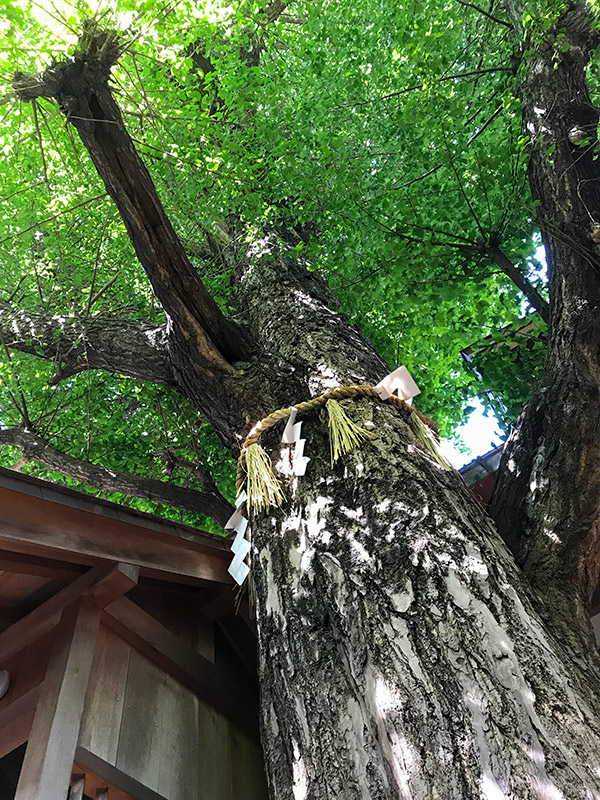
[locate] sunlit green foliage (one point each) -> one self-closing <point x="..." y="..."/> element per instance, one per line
<point x="390" y="131"/>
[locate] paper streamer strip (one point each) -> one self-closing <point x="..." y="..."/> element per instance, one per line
<point x="236" y="519"/>
<point x="300" y="460"/>
<point x="240" y="546"/>
<point x="399" y="380"/>
<point x="289" y="431"/>
<point x="239" y="557"/>
<point x="239" y="573"/>
<point x="300" y="465"/>
<point x="237" y="545"/>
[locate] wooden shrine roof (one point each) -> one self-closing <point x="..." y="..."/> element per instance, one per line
<point x="162" y="587"/>
<point x="49" y="535"/>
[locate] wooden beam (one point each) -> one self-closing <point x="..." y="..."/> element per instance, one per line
<point x="16" y="720"/>
<point x="46" y="771"/>
<point x="241" y="640"/>
<point x="120" y="579"/>
<point x="101" y="772"/>
<point x="225" y="689"/>
<point x="34" y="526"/>
<point x="41" y="567"/>
<point x="77" y="787"/>
<point x="102" y="584"/>
<point x="217" y="603"/>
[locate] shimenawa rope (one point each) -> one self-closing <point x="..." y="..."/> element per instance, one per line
<point x="342" y="393"/>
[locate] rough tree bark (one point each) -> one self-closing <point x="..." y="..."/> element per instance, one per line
<point x="400" y="652"/>
<point x="547" y="501"/>
<point x="75" y="345"/>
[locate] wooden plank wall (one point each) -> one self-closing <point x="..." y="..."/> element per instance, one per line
<point x="145" y="723"/>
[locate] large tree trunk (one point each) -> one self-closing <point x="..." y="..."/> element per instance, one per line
<point x="400" y="656"/>
<point x="547" y="503"/>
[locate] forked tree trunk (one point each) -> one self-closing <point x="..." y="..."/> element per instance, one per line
<point x="400" y="655"/>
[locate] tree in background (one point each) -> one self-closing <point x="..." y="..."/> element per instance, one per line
<point x="185" y="191"/>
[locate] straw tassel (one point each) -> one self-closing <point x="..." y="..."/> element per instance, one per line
<point x="428" y="440"/>
<point x="263" y="488"/>
<point x="344" y="435"/>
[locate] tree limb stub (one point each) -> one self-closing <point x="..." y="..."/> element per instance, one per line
<point x="35" y="448"/>
<point x="81" y="88"/>
<point x="75" y="345"/>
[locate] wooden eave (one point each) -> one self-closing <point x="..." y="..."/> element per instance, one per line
<point x="45" y="523"/>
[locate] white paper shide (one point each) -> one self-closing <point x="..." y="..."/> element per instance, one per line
<point x="401" y="381"/>
<point x="240" y="547"/>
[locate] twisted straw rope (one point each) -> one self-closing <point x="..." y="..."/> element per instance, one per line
<point x="343" y="392"/>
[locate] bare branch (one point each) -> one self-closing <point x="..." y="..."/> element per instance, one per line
<point x="75" y="345"/>
<point x="416" y="86"/>
<point x="470" y="142"/>
<point x="197" y="470"/>
<point x="45" y="221"/>
<point x="34" y="448"/>
<point x="275" y="9"/>
<point x="484" y="12"/>
<point x="501" y="260"/>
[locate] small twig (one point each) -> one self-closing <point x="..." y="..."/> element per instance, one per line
<point x="23" y="410"/>
<point x="462" y="189"/>
<point x="20" y="191"/>
<point x="485" y="13"/>
<point x="55" y="143"/>
<point x="475" y="276"/>
<point x="101" y="291"/>
<point x="416" y="86"/>
<point x="39" y="135"/>
<point x="96" y="262"/>
<point x="44" y="8"/>
<point x="485" y="125"/>
<point x="421" y="177"/>
<point x="53" y="217"/>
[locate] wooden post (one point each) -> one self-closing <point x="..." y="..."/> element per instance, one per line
<point x="46" y="771"/>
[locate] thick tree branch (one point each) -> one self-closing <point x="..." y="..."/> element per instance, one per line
<point x="535" y="299"/>
<point x="35" y="448"/>
<point x="275" y="9"/>
<point x="75" y="345"/>
<point x="81" y="88"/>
<point x="196" y="469"/>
